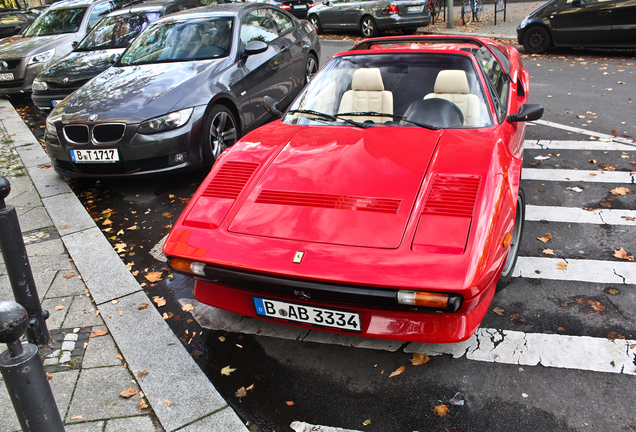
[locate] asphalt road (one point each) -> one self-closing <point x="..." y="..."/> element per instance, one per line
<point x="540" y="360"/>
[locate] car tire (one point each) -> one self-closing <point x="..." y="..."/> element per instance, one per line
<point x="515" y="242"/>
<point x="311" y="67"/>
<point x="368" y="27"/>
<point x="315" y="21"/>
<point x="536" y="40"/>
<point x="220" y="131"/>
<point x="409" y="31"/>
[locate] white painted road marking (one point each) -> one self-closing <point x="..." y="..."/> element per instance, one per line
<point x="579" y="215"/>
<point x="306" y="427"/>
<point x="582" y="131"/>
<point x="578" y="175"/>
<point x="548" y="350"/>
<point x="582" y="270"/>
<point x="576" y="145"/>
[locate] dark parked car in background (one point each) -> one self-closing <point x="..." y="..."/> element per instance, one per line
<point x="99" y="50"/>
<point x="370" y="17"/>
<point x="13" y="21"/>
<point x="48" y="39"/>
<point x="579" y="23"/>
<point x="297" y="8"/>
<point x="185" y="89"/>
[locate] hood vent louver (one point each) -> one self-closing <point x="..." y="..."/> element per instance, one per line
<point x="342" y="202"/>
<point x="451" y="195"/>
<point x="230" y="180"/>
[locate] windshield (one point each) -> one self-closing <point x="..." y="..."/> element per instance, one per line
<point x="116" y="31"/>
<point x="170" y="41"/>
<point x="414" y="89"/>
<point x="57" y="21"/>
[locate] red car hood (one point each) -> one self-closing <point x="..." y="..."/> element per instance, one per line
<point x="340" y="185"/>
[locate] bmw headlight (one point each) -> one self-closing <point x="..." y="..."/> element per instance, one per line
<point x="43" y="57"/>
<point x="166" y="122"/>
<point x="39" y="85"/>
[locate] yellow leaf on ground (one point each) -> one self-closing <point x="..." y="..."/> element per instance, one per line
<point x="77" y="417"/>
<point x="166" y="214"/>
<point x="613" y="291"/>
<point x="548" y="251"/>
<point x="227" y="370"/>
<point x="290" y="403"/>
<point x="561" y="265"/>
<point x="153" y="276"/>
<point x="120" y="247"/>
<point x="620" y="191"/>
<point x="367" y="422"/>
<point x="187" y="307"/>
<point x="99" y="332"/>
<point x="57" y="308"/>
<point x="240" y="392"/>
<point x="69" y="275"/>
<point x="441" y="410"/>
<point x="107" y="222"/>
<point x="132" y="228"/>
<point x="167" y="402"/>
<point x="544" y="239"/>
<point x="143" y="404"/>
<point x="143" y="374"/>
<point x="398" y="371"/>
<point x="619" y="253"/>
<point x="250" y="387"/>
<point x="143" y="306"/>
<point x="419" y="359"/>
<point x="594" y="304"/>
<point x="129" y="392"/>
<point x="159" y="301"/>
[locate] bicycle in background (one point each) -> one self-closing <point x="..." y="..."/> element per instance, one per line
<point x="435" y="9"/>
<point x="472" y="9"/>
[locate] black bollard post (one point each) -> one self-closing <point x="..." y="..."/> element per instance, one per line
<point x="19" y="270"/>
<point x="24" y="375"/>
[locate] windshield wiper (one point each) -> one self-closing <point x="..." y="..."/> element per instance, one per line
<point x="377" y="114"/>
<point x="330" y="117"/>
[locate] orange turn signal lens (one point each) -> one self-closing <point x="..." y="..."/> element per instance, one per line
<point x="186" y="266"/>
<point x="506" y="240"/>
<point x="424" y="299"/>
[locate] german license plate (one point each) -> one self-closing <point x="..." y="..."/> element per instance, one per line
<point x="6" y="76"/>
<point x="412" y="9"/>
<point x="95" y="156"/>
<point x="299" y="6"/>
<point x="306" y="314"/>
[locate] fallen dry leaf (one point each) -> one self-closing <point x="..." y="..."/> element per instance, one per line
<point x="187" y="307"/>
<point x="49" y="376"/>
<point x="545" y="239"/>
<point x="57" y="308"/>
<point x="227" y="370"/>
<point x="250" y="387"/>
<point x="608" y="167"/>
<point x="419" y="359"/>
<point x="242" y="392"/>
<point x="498" y="311"/>
<point x="441" y="410"/>
<point x="143" y="374"/>
<point x="120" y="247"/>
<point x="69" y="275"/>
<point x="548" y="251"/>
<point x="159" y="301"/>
<point x="154" y="276"/>
<point x="622" y="254"/>
<point x="290" y="403"/>
<point x="612" y="291"/>
<point x="107" y="222"/>
<point x="167" y="402"/>
<point x="612" y="336"/>
<point x="561" y="265"/>
<point x="620" y="191"/>
<point x="143" y="404"/>
<point x="132" y="228"/>
<point x="398" y="371"/>
<point x="367" y="422"/>
<point x="77" y="417"/>
<point x="143" y="306"/>
<point x="99" y="332"/>
<point x="129" y="392"/>
<point x="596" y="305"/>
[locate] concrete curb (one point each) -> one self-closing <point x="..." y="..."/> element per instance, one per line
<point x="143" y="337"/>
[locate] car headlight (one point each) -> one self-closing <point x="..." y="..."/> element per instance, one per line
<point x="166" y="122"/>
<point x="43" y="57"/>
<point x="50" y="128"/>
<point x="39" y="85"/>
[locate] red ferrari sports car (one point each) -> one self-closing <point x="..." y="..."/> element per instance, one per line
<point x="384" y="203"/>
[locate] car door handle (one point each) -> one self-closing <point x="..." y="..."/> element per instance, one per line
<point x="283" y="48"/>
<point x="605" y="12"/>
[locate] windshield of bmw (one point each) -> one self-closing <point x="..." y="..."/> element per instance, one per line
<point x="172" y="40"/>
<point x="116" y="31"/>
<point x="428" y="90"/>
<point x="57" y="21"/>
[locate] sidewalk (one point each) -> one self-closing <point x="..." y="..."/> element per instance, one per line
<point x="103" y="340"/>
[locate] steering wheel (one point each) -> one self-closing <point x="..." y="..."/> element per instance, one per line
<point x="435" y="112"/>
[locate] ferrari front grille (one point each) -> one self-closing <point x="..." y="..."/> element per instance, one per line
<point x="230" y="180"/>
<point x="342" y="202"/>
<point x="452" y="195"/>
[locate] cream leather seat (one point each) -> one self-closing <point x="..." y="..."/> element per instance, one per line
<point x="452" y="85"/>
<point x="367" y="94"/>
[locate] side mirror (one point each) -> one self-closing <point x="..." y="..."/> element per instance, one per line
<point x="578" y="3"/>
<point x="74" y="44"/>
<point x="255" y="47"/>
<point x="527" y="112"/>
<point x="272" y="106"/>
